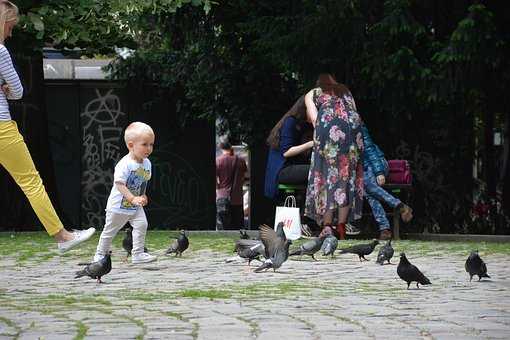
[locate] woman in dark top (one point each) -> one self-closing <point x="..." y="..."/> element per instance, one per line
<point x="288" y="159"/>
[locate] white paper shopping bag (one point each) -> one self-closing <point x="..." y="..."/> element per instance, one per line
<point x="289" y="215"/>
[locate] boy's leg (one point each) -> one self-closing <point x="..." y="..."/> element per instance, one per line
<point x="16" y="159"/>
<point x="139" y="223"/>
<point x="114" y="222"/>
<point x="375" y="191"/>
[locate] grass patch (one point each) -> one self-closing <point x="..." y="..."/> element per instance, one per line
<point x="81" y="330"/>
<point x="212" y="294"/>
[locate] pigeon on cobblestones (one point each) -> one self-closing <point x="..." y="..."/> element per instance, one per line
<point x="309" y="247"/>
<point x="276" y="246"/>
<point x="409" y="273"/>
<point x="249" y="249"/>
<point x="127" y="242"/>
<point x="476" y="266"/>
<point x="244" y="235"/>
<point x="179" y="245"/>
<point x="98" y="269"/>
<point x="361" y="250"/>
<point x="385" y="253"/>
<point x="329" y="245"/>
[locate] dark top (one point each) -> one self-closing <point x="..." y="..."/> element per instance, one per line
<point x="291" y="134"/>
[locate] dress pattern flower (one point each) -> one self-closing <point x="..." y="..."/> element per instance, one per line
<point x="336" y="170"/>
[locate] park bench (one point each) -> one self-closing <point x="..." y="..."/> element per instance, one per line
<point x="402" y="191"/>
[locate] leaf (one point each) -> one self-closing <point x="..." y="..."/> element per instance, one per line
<point x="36" y="21"/>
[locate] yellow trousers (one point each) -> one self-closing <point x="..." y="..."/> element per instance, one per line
<point x="16" y="159"/>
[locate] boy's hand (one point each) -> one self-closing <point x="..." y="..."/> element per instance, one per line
<point x="381" y="180"/>
<point x="145" y="200"/>
<point x="138" y="201"/>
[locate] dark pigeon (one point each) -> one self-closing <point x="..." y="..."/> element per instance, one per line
<point x="309" y="247"/>
<point x="385" y="253"/>
<point x="361" y="250"/>
<point x="476" y="266"/>
<point x="98" y="269"/>
<point x="127" y="242"/>
<point x="277" y="247"/>
<point x="409" y="273"/>
<point x="249" y="249"/>
<point x="179" y="245"/>
<point x="329" y="245"/>
<point x="244" y="234"/>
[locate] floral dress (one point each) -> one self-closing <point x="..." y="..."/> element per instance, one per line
<point x="336" y="171"/>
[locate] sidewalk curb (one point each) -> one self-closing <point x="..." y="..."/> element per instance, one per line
<point x="457" y="237"/>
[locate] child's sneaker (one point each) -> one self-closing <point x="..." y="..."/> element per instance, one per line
<point x="79" y="237"/>
<point x="98" y="257"/>
<point x="143" y="258"/>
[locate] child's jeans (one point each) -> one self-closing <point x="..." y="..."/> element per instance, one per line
<point x="375" y="195"/>
<point x="15" y="158"/>
<point x="114" y="222"/>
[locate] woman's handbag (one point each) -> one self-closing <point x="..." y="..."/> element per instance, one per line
<point x="289" y="215"/>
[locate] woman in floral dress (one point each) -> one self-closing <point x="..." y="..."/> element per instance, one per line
<point x="335" y="180"/>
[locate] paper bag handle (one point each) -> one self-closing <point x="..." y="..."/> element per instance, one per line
<point x="290" y="201"/>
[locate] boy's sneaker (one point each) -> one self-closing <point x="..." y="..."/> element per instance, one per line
<point x="351" y="230"/>
<point x="80" y="236"/>
<point x="143" y="258"/>
<point x="98" y="257"/>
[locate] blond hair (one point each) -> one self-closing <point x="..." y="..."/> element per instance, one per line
<point x="8" y="12"/>
<point x="135" y="130"/>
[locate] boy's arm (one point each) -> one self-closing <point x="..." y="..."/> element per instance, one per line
<point x="135" y="200"/>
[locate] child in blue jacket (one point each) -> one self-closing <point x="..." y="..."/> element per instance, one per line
<point x="375" y="172"/>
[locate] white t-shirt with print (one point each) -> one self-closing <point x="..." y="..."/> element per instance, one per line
<point x="135" y="176"/>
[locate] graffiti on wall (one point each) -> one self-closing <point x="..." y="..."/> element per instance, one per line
<point x="102" y="124"/>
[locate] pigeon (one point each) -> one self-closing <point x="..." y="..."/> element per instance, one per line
<point x="179" y="245"/>
<point x="244" y="234"/>
<point x="385" y="253"/>
<point x="476" y="266"/>
<point x="409" y="273"/>
<point x="127" y="242"/>
<point x="329" y="245"/>
<point x="97" y="269"/>
<point x="361" y="249"/>
<point x="309" y="247"/>
<point x="249" y="249"/>
<point x="277" y="247"/>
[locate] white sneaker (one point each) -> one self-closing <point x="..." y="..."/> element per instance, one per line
<point x="351" y="230"/>
<point x="143" y="258"/>
<point x="80" y="236"/>
<point x="98" y="257"/>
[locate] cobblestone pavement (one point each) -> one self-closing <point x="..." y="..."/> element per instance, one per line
<point x="199" y="296"/>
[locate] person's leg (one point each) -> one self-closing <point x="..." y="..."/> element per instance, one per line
<point x="113" y="223"/>
<point x="376" y="192"/>
<point x="139" y="223"/>
<point x="16" y="159"/>
<point x="222" y="213"/>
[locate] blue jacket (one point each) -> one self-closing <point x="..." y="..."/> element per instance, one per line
<point x="373" y="157"/>
<point x="289" y="137"/>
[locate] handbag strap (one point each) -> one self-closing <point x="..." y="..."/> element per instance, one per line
<point x="290" y="201"/>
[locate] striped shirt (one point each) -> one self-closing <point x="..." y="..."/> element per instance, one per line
<point x="9" y="76"/>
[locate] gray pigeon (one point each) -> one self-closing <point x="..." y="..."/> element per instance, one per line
<point x="277" y="248"/>
<point x="385" y="253"/>
<point x="409" y="273"/>
<point x="361" y="250"/>
<point x="179" y="245"/>
<point x="329" y="245"/>
<point x="97" y="269"/>
<point x="243" y="234"/>
<point x="476" y="266"/>
<point x="249" y="249"/>
<point x="127" y="242"/>
<point x="309" y="247"/>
